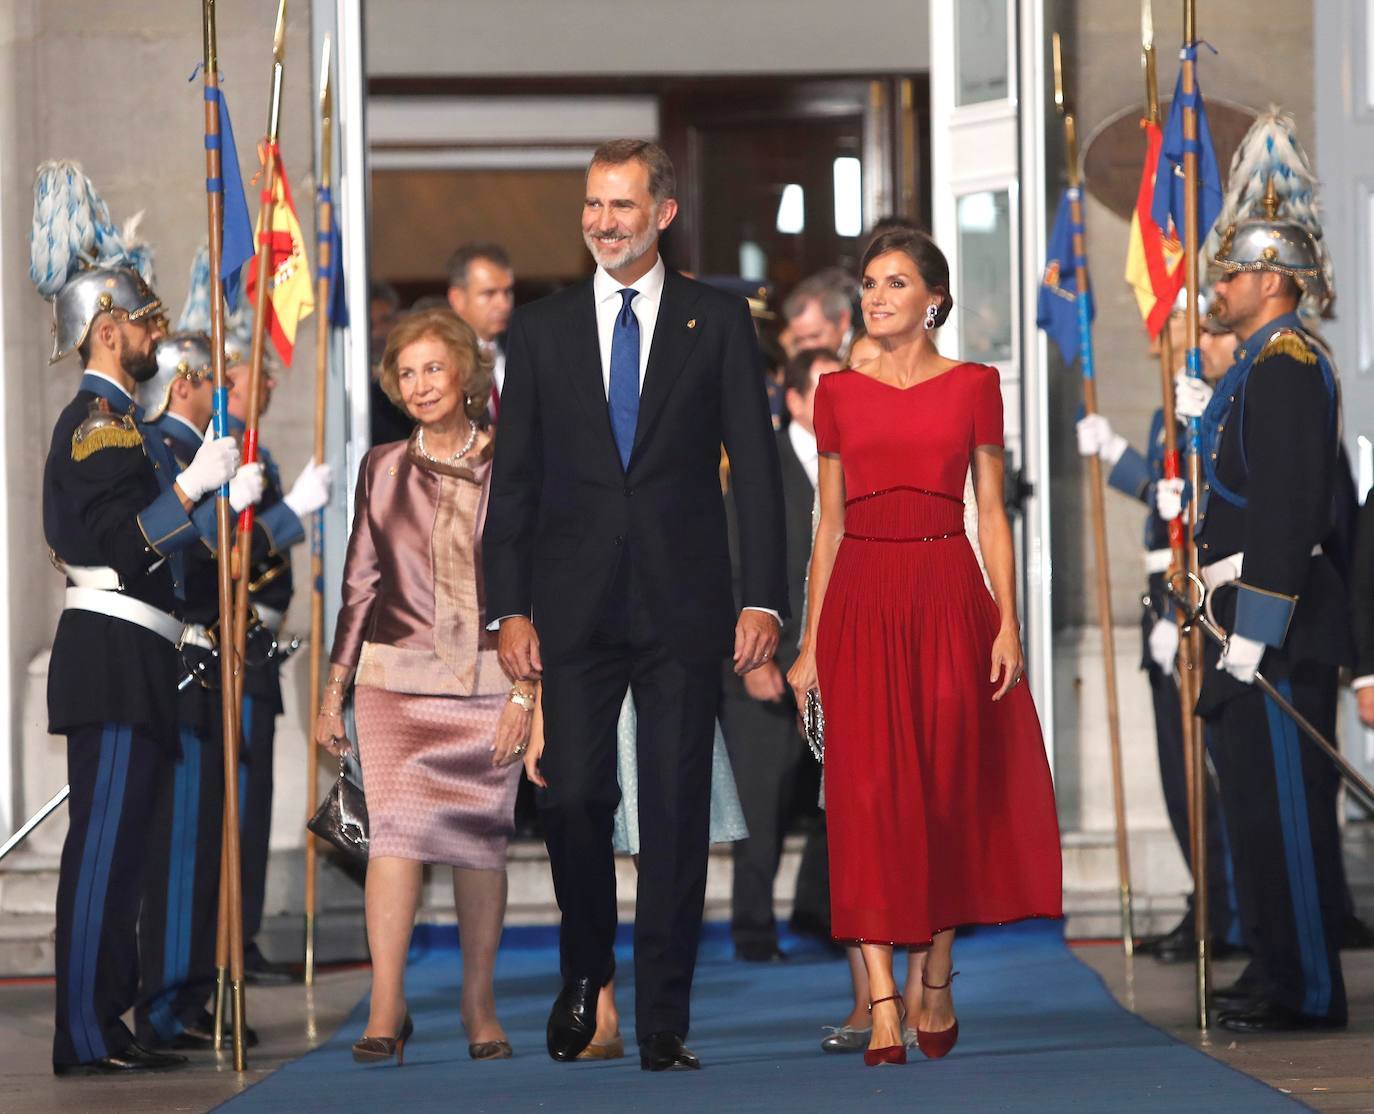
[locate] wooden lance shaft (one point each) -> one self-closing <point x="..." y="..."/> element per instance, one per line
<point x="230" y="892"/>
<point x="324" y="246"/>
<point x="1099" y="520"/>
<point x="1198" y="759"/>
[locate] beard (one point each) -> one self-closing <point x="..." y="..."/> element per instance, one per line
<point x="138" y="366"/>
<point x="615" y="254"/>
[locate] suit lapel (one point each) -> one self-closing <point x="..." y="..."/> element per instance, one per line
<point x="675" y="335"/>
<point x="584" y="369"/>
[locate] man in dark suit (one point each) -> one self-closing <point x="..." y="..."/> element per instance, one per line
<point x="758" y="713"/>
<point x="607" y="568"/>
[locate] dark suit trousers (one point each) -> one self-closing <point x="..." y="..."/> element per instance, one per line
<point x="255" y="808"/>
<point x="1278" y="798"/>
<point x="1221" y="898"/>
<point x="675" y="703"/>
<point x="118" y="777"/>
<point x="765" y="748"/>
<point x="179" y="920"/>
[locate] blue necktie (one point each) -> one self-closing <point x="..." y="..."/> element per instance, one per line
<point x="623" y="395"/>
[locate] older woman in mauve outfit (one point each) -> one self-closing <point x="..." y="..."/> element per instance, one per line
<point x="440" y="730"/>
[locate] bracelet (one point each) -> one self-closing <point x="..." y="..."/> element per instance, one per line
<point x="522" y="699"/>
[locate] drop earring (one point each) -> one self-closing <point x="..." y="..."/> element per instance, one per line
<point x="931" y="311"/>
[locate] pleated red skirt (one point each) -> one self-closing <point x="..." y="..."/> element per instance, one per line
<point x="939" y="803"/>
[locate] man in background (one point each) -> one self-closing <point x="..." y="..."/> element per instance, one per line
<point x="481" y="290"/>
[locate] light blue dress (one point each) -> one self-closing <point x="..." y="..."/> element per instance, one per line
<point x="727" y="818"/>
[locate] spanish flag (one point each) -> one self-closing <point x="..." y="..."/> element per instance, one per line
<point x="1154" y="260"/>
<point x="290" y="293"/>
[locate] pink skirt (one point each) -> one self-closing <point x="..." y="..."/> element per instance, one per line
<point x="432" y="793"/>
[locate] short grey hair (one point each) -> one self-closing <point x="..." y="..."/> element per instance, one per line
<point x="662" y="176"/>
<point x="832" y="288"/>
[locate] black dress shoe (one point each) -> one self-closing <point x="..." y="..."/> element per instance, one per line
<point x="758" y="951"/>
<point x="199" y="1035"/>
<point x="132" y="1059"/>
<point x="666" y="1052"/>
<point x="1266" y="1016"/>
<point x="572" y="1021"/>
<point x="1233" y="998"/>
<point x="258" y="970"/>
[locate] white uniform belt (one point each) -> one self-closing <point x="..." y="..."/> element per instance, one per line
<point x="1228" y="570"/>
<point x="193" y="634"/>
<point x="119" y="606"/>
<point x="100" y="577"/>
<point x="1158" y="560"/>
<point x="270" y="617"/>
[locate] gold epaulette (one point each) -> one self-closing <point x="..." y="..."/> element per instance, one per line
<point x="104" y="429"/>
<point x="1286" y="342"/>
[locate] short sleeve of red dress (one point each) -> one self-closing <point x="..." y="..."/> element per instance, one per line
<point x="987" y="409"/>
<point x="823" y="418"/>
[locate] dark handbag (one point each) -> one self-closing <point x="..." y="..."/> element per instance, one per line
<point x="813" y="724"/>
<point x="341" y="819"/>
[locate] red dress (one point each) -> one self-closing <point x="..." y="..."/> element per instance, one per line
<point x="939" y="803"/>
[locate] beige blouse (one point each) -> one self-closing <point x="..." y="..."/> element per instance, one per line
<point x="412" y="619"/>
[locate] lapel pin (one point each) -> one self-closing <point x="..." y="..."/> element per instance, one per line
<point x="692" y="324"/>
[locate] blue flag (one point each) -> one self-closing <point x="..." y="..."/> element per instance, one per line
<point x="338" y="297"/>
<point x="1167" y="204"/>
<point x="1057" y="310"/>
<point x="237" y="246"/>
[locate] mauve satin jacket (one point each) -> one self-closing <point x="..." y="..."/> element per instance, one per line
<point x="413" y="614"/>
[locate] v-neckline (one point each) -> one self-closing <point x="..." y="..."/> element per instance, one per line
<point x="912" y="386"/>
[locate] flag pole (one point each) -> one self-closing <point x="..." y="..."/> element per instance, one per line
<point x="1099" y="512"/>
<point x="324" y="227"/>
<point x="229" y="847"/>
<point x="1191" y="245"/>
<point x="1187" y="674"/>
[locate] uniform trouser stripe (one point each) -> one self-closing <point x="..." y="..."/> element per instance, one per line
<point x="1299" y="858"/>
<point x="88" y="1035"/>
<point x="181" y="880"/>
<point x="245" y="734"/>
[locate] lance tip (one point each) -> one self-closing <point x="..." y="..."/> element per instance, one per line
<point x="1147" y="26"/>
<point x="1058" y="73"/>
<point x="325" y="99"/>
<point x="279" y="34"/>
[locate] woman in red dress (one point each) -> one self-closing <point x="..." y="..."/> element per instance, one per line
<point x="939" y="803"/>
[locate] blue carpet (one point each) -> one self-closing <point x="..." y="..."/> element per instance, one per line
<point x="1038" y="1031"/>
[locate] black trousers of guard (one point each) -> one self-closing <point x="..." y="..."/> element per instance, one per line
<point x="1224" y="921"/>
<point x="119" y="777"/>
<point x="765" y="748"/>
<point x="255" y="809"/>
<point x="675" y="706"/>
<point x="179" y="921"/>
<point x="1278" y="798"/>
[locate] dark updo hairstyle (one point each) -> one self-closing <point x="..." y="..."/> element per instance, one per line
<point x="930" y="261"/>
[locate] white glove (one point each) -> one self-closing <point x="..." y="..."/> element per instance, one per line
<point x="215" y="463"/>
<point x="1241" y="658"/>
<point x="1164" y="644"/>
<point x="1097" y="438"/>
<point x="310" y="492"/>
<point x="1191" y="396"/>
<point x="246" y="488"/>
<point x="1169" y="498"/>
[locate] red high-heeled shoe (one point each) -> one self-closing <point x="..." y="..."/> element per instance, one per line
<point x="893" y="1053"/>
<point x="935" y="1045"/>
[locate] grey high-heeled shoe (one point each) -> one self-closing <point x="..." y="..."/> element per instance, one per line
<point x="845" y="1038"/>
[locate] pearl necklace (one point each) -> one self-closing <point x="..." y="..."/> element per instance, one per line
<point x="467" y="445"/>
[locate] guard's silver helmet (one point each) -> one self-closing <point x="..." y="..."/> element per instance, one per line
<point x="179" y="356"/>
<point x="1269" y="243"/>
<point x="119" y="291"/>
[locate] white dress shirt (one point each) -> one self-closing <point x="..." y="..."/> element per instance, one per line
<point x="804" y="445"/>
<point x="606" y="293"/>
<point x="498" y="367"/>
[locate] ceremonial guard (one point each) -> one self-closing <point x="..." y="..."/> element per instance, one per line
<point x="117" y="518"/>
<point x="278" y="525"/>
<point x="1141" y="476"/>
<point x="1270" y="437"/>
<point x="181" y="896"/>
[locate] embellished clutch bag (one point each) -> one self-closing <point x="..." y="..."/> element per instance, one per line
<point x="341" y="819"/>
<point x="813" y="724"/>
